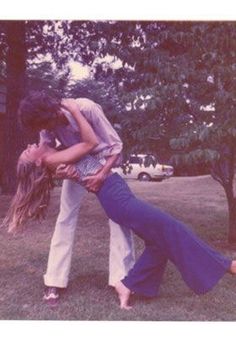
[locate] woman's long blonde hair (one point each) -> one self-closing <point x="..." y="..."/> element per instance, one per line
<point x="31" y="200"/>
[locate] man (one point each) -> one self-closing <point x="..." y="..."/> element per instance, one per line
<point x="43" y="113"/>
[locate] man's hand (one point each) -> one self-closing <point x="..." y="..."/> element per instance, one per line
<point x="64" y="171"/>
<point x="93" y="183"/>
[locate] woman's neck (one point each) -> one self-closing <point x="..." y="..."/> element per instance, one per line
<point x="48" y="150"/>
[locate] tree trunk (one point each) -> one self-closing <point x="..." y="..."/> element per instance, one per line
<point x="16" y="69"/>
<point x="232" y="213"/>
<point x="223" y="172"/>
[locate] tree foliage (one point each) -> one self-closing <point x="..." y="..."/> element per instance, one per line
<point x="102" y="92"/>
<point x="45" y="75"/>
<point x="177" y="80"/>
<point x="174" y="90"/>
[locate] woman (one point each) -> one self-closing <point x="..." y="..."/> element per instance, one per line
<point x="165" y="238"/>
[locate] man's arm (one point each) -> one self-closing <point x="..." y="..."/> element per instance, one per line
<point x="103" y="129"/>
<point x="109" y="136"/>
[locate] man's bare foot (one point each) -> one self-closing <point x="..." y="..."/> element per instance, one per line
<point x="233" y="267"/>
<point x="124" y="295"/>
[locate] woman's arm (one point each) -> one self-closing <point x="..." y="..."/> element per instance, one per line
<point x="68" y="156"/>
<point x="75" y="152"/>
<point x="86" y="130"/>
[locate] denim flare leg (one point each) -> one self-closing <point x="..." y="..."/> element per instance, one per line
<point x="165" y="238"/>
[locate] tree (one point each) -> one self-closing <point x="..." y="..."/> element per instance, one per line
<point x="102" y="92"/>
<point x="15" y="79"/>
<point x="209" y="136"/>
<point x="150" y="83"/>
<point x="22" y="41"/>
<point x="45" y="75"/>
<point x="178" y="78"/>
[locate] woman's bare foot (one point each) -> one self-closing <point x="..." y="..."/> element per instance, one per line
<point x="124" y="295"/>
<point x="233" y="267"/>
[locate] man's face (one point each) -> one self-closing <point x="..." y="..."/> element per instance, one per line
<point x="57" y="120"/>
<point x="49" y="125"/>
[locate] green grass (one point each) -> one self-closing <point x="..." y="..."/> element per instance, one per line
<point x="199" y="202"/>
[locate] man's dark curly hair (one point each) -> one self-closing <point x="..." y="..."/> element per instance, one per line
<point x="37" y="109"/>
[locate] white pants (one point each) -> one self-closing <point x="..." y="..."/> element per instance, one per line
<point x="59" y="262"/>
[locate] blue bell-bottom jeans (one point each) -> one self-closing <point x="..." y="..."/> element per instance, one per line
<point x="165" y="238"/>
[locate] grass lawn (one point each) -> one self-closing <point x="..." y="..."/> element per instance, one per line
<point x="198" y="201"/>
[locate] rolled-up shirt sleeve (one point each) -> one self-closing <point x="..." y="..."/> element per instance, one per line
<point x="104" y="130"/>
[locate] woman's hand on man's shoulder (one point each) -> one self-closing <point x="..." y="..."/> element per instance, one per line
<point x="70" y="104"/>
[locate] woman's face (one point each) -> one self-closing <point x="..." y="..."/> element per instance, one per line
<point x="33" y="152"/>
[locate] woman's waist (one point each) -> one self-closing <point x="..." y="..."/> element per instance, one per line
<point x="87" y="166"/>
<point x="114" y="188"/>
